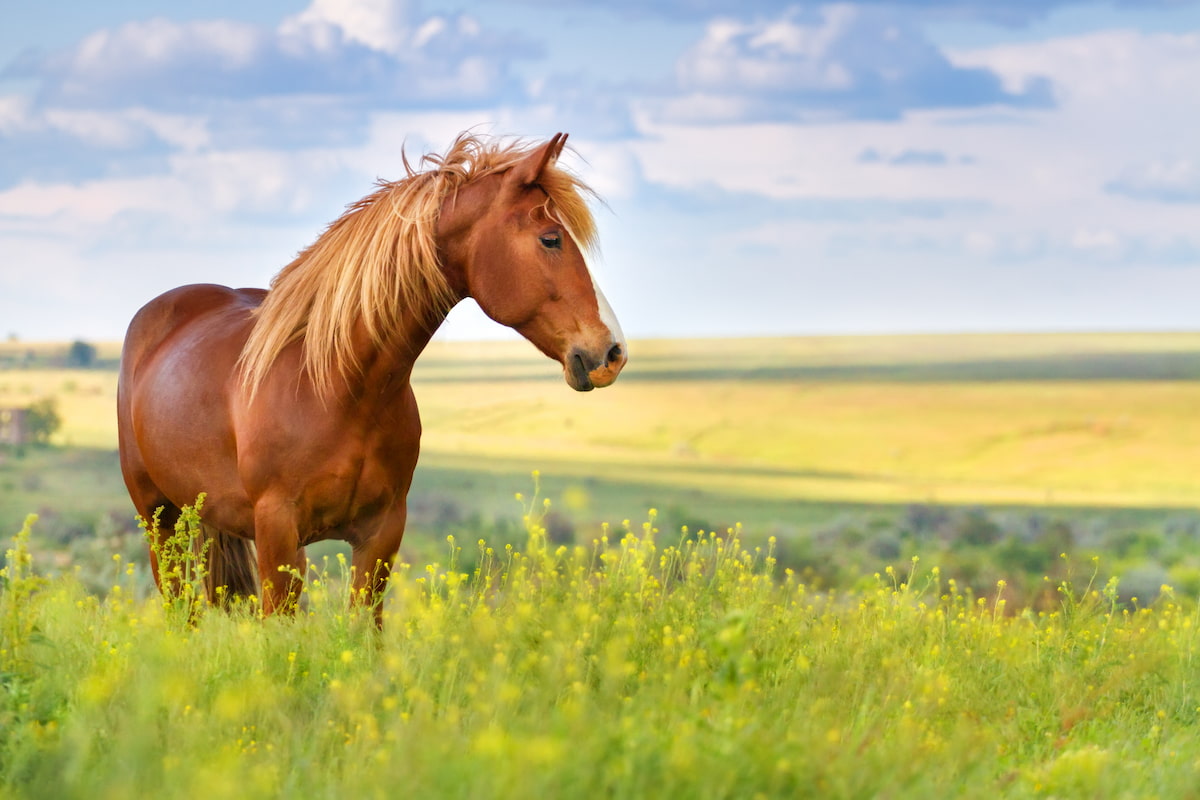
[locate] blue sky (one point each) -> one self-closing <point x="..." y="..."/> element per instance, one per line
<point x="769" y="168"/>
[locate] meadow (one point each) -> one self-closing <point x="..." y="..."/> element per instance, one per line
<point x="639" y="664"/>
<point x="876" y="566"/>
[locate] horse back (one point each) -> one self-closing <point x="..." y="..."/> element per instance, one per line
<point x="168" y="314"/>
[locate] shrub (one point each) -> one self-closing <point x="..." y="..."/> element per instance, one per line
<point x="43" y="420"/>
<point x="81" y="354"/>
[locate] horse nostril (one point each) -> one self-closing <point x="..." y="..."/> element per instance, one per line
<point x="614" y="354"/>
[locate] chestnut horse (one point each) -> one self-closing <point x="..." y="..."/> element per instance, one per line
<point x="292" y="409"/>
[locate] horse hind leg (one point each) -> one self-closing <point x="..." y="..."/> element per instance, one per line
<point x="159" y="519"/>
<point x="229" y="560"/>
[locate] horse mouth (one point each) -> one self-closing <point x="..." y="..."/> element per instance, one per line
<point x="577" y="373"/>
<point x="585" y="371"/>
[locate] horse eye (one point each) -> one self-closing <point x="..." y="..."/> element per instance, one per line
<point x="551" y="241"/>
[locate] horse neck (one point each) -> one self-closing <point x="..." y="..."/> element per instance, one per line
<point x="384" y="363"/>
<point x="390" y="363"/>
<point x="460" y="212"/>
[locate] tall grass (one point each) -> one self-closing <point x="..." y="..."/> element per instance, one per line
<point x="645" y="664"/>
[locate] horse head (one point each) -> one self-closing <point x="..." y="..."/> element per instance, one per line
<point x="514" y="241"/>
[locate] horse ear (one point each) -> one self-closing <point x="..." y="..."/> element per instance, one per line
<point x="527" y="171"/>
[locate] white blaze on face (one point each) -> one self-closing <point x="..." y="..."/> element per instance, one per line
<point x="607" y="316"/>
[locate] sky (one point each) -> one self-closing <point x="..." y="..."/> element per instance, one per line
<point x="767" y="168"/>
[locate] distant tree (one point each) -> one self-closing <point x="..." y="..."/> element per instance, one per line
<point x="42" y="420"/>
<point x="81" y="354"/>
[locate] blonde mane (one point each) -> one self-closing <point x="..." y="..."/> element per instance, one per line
<point x="377" y="264"/>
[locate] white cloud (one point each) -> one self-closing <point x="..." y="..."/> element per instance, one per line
<point x="124" y="128"/>
<point x="611" y="168"/>
<point x="142" y="51"/>
<point x="1068" y="183"/>
<point x="378" y="52"/>
<point x="89" y="204"/>
<point x="1006" y="12"/>
<point x="843" y="61"/>
<point x="1166" y="180"/>
<point x="15" y="114"/>
<point x="1092" y="68"/>
<point x="198" y="190"/>
<point x="101" y="129"/>
<point x="778" y="55"/>
<point x="383" y="25"/>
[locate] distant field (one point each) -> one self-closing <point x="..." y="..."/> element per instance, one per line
<point x="970" y="357"/>
<point x="1101" y="443"/>
<point x="16" y="354"/>
<point x="1094" y="420"/>
<point x="87" y="401"/>
<point x="1059" y="420"/>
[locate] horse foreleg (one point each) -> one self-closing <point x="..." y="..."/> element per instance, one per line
<point x="281" y="559"/>
<point x="372" y="561"/>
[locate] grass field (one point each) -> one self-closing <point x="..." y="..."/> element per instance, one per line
<point x="619" y="670"/>
<point x="812" y="654"/>
<point x="1071" y="420"/>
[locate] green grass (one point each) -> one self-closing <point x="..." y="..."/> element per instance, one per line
<point x="630" y="666"/>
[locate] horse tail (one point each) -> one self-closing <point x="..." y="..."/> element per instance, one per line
<point x="232" y="567"/>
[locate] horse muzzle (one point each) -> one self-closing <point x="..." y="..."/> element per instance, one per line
<point x="585" y="371"/>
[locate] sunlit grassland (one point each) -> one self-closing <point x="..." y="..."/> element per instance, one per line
<point x="631" y="667"/>
<point x="1083" y="420"/>
<point x="1099" y="419"/>
<point x="1099" y="443"/>
<point x="86" y="400"/>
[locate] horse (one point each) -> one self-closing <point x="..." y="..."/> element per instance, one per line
<point x="292" y="410"/>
